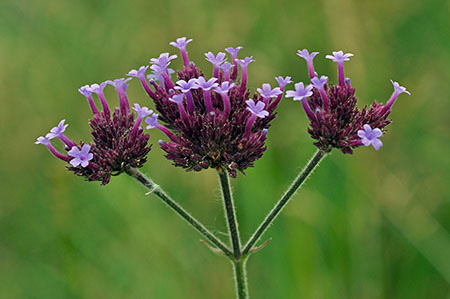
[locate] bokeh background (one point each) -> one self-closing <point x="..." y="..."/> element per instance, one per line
<point x="369" y="225"/>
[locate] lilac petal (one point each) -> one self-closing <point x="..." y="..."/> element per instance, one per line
<point x="367" y="128"/>
<point x="361" y="134"/>
<point x="377" y="133"/>
<point x="377" y="143"/>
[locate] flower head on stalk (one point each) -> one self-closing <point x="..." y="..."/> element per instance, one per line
<point x="118" y="140"/>
<point x="335" y="120"/>
<point x="205" y="118"/>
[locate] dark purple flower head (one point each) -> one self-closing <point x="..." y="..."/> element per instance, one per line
<point x="335" y="120"/>
<point x="118" y="140"/>
<point x="208" y="124"/>
<point x="268" y="92"/>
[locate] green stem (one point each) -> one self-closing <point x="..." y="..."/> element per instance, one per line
<point x="154" y="188"/>
<point x="230" y="213"/>
<point x="315" y="160"/>
<point x="240" y="277"/>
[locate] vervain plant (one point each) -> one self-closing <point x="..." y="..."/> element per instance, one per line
<point x="217" y="123"/>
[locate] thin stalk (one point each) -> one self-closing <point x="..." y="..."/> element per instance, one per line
<point x="240" y="276"/>
<point x="154" y="188"/>
<point x="315" y="160"/>
<point x="230" y="213"/>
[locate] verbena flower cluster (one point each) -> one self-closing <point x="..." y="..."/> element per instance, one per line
<point x="214" y="122"/>
<point x="335" y="120"/>
<point x="118" y="140"/>
<point x="210" y="121"/>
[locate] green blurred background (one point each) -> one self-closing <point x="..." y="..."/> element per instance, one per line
<point x="369" y="225"/>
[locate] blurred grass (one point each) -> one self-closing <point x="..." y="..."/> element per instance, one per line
<point x="371" y="225"/>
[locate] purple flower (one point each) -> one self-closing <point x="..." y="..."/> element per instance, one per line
<point x="300" y="92"/>
<point x="226" y="66"/>
<point x="85" y="90"/>
<point x="206" y="85"/>
<point x="216" y="60"/>
<point x="399" y="89"/>
<point x="246" y="61"/>
<point x="309" y="60"/>
<point x="142" y="111"/>
<point x="181" y="43"/>
<point x="184" y="86"/>
<point x="267" y="92"/>
<point x="370" y="137"/>
<point x="224" y="88"/>
<point x="257" y="109"/>
<point x="339" y="56"/>
<point x="152" y="121"/>
<point x="98" y="88"/>
<point x="119" y="84"/>
<point x="80" y="157"/>
<point x="58" y="130"/>
<point x="282" y="82"/>
<point x="305" y="54"/>
<point x="43" y="140"/>
<point x="138" y="73"/>
<point x="233" y="51"/>
<point x="319" y="83"/>
<point x="178" y="98"/>
<point x="163" y="60"/>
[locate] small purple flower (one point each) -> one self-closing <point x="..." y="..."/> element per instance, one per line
<point x="216" y="60"/>
<point x="142" y="111"/>
<point x="282" y="82"/>
<point x="257" y="109"/>
<point x="43" y="140"/>
<point x="163" y="60"/>
<point x="233" y="51"/>
<point x="119" y="84"/>
<point x="178" y="98"/>
<point x="300" y="92"/>
<point x="138" y="73"/>
<point x="80" y="157"/>
<point x="226" y="66"/>
<point x="58" y="130"/>
<point x="370" y="137"/>
<point x="339" y="56"/>
<point x="152" y="121"/>
<point x="181" y="43"/>
<point x="309" y="60"/>
<point x="399" y="89"/>
<point x="98" y="88"/>
<point x="184" y="86"/>
<point x="267" y="92"/>
<point x="246" y="61"/>
<point x="305" y="54"/>
<point x="319" y="83"/>
<point x="85" y="90"/>
<point x="206" y="85"/>
<point x="224" y="88"/>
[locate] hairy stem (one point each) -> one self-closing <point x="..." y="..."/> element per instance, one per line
<point x="230" y="213"/>
<point x="240" y="277"/>
<point x="154" y="188"/>
<point x="315" y="160"/>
